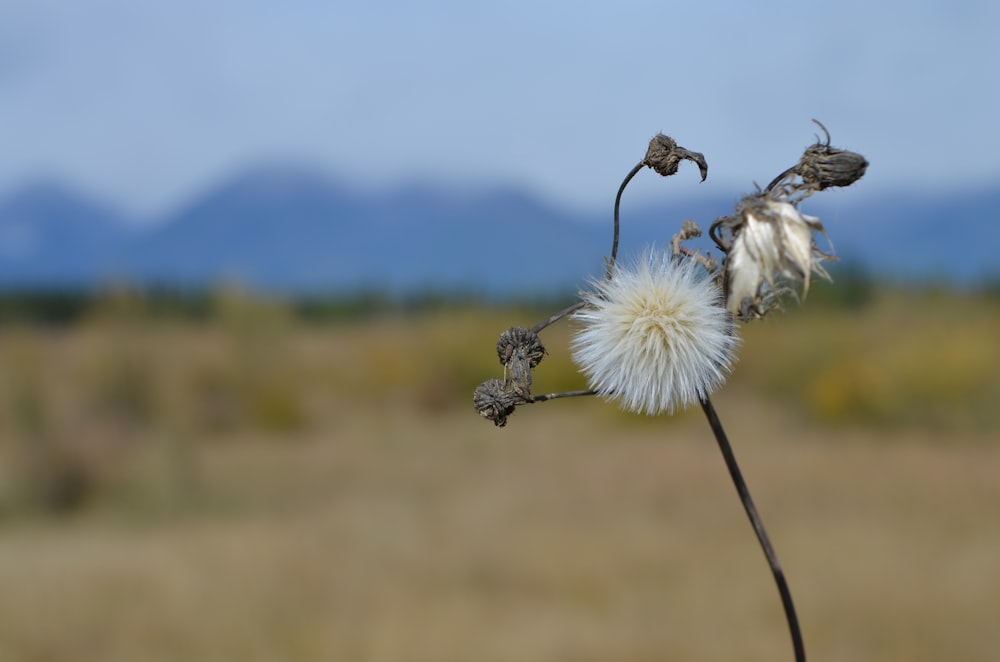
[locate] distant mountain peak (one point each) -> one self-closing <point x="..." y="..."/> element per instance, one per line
<point x="291" y="227"/>
<point x="49" y="200"/>
<point x="281" y="178"/>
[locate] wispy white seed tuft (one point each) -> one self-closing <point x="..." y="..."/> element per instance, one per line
<point x="655" y="336"/>
<point x="772" y="239"/>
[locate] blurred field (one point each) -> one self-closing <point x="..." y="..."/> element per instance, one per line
<point x="249" y="485"/>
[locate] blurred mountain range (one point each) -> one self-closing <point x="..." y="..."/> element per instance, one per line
<point x="294" y="230"/>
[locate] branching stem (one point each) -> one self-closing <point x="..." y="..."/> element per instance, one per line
<point x="758" y="527"/>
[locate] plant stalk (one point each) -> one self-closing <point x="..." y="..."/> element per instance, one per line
<point x="758" y="527"/>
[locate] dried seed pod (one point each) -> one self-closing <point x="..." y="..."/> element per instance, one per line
<point x="494" y="402"/>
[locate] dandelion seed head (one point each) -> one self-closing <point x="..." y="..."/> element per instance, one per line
<point x="654" y="336"/>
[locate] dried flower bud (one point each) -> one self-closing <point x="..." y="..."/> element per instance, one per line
<point x="689" y="230"/>
<point x="823" y="166"/>
<point x="494" y="402"/>
<point x="664" y="155"/>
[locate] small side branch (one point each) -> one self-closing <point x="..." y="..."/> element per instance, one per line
<point x="564" y="394"/>
<point x="568" y="310"/>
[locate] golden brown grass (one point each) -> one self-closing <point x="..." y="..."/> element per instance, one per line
<point x="375" y="517"/>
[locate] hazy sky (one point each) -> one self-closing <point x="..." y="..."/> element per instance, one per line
<point x="148" y="103"/>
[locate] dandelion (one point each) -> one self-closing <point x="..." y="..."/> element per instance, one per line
<point x="655" y="335"/>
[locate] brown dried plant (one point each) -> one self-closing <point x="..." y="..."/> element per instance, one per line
<point x="660" y="334"/>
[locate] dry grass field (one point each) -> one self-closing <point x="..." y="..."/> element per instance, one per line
<point x="253" y="487"/>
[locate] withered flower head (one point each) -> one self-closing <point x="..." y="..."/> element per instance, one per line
<point x="771" y="239"/>
<point x="823" y="166"/>
<point x="664" y="155"/>
<point x="494" y="401"/>
<point x="520" y="350"/>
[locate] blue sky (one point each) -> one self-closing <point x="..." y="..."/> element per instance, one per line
<point x="146" y="104"/>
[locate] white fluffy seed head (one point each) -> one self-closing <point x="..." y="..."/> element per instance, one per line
<point x="655" y="336"/>
<point x="773" y="240"/>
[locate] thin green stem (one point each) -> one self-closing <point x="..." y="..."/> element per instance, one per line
<point x="758" y="527"/>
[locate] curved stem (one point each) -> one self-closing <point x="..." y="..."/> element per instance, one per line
<point x="618" y="202"/>
<point x="776" y="180"/>
<point x="569" y="310"/>
<point x="758" y="527"/>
